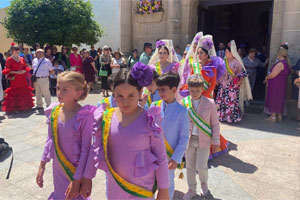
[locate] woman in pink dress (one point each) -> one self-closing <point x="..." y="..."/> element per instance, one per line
<point x="276" y="86"/>
<point x="72" y="137"/>
<point x="75" y="61"/>
<point x="129" y="145"/>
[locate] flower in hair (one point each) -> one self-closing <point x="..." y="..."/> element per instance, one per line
<point x="142" y="73"/>
<point x="207" y="44"/>
<point x="197" y="38"/>
<point x="160" y="43"/>
<point x="13" y="44"/>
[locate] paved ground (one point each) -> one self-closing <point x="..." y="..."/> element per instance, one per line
<point x="263" y="163"/>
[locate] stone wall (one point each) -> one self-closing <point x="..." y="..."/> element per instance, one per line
<point x="5" y="42"/>
<point x="178" y="22"/>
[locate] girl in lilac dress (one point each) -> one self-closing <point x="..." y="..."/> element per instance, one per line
<point x="277" y="84"/>
<point x="69" y="137"/>
<point x="129" y="145"/>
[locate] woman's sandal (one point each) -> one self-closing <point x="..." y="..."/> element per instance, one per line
<point x="279" y="118"/>
<point x="271" y="119"/>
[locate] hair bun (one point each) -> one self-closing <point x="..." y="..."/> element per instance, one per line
<point x="142" y="73"/>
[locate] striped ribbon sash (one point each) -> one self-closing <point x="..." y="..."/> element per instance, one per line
<point x="107" y="102"/>
<point x="200" y="123"/>
<point x="228" y="68"/>
<point x="66" y="166"/>
<point x="196" y="68"/>
<point x="149" y="100"/>
<point x="158" y="68"/>
<point x="191" y="60"/>
<point x="126" y="186"/>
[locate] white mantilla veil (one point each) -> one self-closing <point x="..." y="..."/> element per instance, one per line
<point x="196" y="40"/>
<point x="211" y="51"/>
<point x="245" y="89"/>
<point x="172" y="55"/>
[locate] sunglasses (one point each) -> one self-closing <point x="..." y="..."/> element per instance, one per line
<point x="17" y="49"/>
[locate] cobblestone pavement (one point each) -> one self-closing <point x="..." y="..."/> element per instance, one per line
<point x="263" y="162"/>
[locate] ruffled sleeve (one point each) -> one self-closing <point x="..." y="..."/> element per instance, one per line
<point x="48" y="153"/>
<point x="158" y="147"/>
<point x="7" y="67"/>
<point x="219" y="65"/>
<point x="96" y="154"/>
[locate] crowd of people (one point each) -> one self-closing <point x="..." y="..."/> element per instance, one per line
<point x="162" y="107"/>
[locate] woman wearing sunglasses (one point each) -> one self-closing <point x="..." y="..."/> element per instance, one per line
<point x="19" y="94"/>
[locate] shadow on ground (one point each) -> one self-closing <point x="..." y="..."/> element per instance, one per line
<point x="229" y="161"/>
<point x="179" y="195"/>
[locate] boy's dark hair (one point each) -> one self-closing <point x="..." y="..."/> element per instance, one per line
<point x="155" y="76"/>
<point x="110" y="81"/>
<point x="170" y="79"/>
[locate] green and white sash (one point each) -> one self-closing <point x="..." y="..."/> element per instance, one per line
<point x="200" y="123"/>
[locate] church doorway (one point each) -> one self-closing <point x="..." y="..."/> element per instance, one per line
<point x="248" y="22"/>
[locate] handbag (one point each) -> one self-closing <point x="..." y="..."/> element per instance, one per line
<point x="103" y="72"/>
<point x="33" y="77"/>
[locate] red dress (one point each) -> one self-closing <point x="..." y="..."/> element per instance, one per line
<point x="19" y="94"/>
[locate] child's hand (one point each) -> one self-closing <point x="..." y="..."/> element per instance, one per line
<point x="73" y="189"/>
<point x="86" y="187"/>
<point x="172" y="164"/>
<point x="216" y="148"/>
<point x="39" y="176"/>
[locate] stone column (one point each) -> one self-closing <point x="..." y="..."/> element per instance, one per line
<point x="173" y="21"/>
<point x="189" y="21"/>
<point x="291" y="28"/>
<point x="285" y="28"/>
<point x="126" y="26"/>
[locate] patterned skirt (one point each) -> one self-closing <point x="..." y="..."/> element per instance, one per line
<point x="227" y="100"/>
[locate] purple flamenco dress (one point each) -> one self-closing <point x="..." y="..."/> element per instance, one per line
<point x="136" y="152"/>
<point x="74" y="138"/>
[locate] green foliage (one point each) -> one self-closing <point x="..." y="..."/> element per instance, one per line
<point x="57" y="22"/>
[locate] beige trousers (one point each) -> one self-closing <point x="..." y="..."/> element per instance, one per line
<point x="196" y="160"/>
<point x="41" y="87"/>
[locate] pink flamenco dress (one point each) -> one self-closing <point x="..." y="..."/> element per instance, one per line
<point x="136" y="152"/>
<point x="74" y="139"/>
<point x="19" y="94"/>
